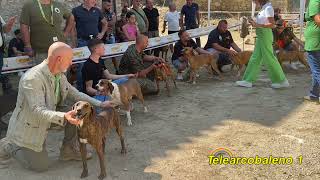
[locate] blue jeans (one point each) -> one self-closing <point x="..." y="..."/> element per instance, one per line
<point x="80" y="43"/>
<point x="314" y="63"/>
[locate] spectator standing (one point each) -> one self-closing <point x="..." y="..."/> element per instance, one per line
<point x="87" y="18"/>
<point x="173" y="19"/>
<point x="191" y="14"/>
<point x="16" y="45"/>
<point x="130" y="29"/>
<point x="120" y="35"/>
<point x="153" y="18"/>
<point x="125" y="8"/>
<point x="4" y="28"/>
<point x="312" y="46"/>
<point x="142" y="20"/>
<point x="40" y="24"/>
<point x="109" y="37"/>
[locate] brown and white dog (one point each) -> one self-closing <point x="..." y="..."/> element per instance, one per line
<point x="291" y="56"/>
<point x="198" y="61"/>
<point x="240" y="60"/>
<point x="93" y="130"/>
<point x="122" y="95"/>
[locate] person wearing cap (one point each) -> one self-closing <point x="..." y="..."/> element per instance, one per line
<point x="284" y="37"/>
<point x="263" y="51"/>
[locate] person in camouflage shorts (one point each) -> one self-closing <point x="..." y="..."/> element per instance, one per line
<point x="135" y="61"/>
<point x="284" y="37"/>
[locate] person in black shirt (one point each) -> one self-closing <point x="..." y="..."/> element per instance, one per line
<point x="153" y="18"/>
<point x="178" y="60"/>
<point x="190" y="12"/>
<point x="93" y="71"/>
<point x="16" y="45"/>
<point x="220" y="40"/>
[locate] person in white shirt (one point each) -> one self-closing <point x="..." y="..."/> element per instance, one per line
<point x="263" y="51"/>
<point x="173" y="19"/>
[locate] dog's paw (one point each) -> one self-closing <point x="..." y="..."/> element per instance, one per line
<point x="102" y="176"/>
<point x="124" y="151"/>
<point x="129" y="123"/>
<point x="193" y="82"/>
<point x="145" y="110"/>
<point x="84" y="174"/>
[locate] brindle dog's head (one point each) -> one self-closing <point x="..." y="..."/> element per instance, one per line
<point x="105" y="87"/>
<point x="83" y="110"/>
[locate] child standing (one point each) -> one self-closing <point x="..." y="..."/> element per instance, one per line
<point x="131" y="29"/>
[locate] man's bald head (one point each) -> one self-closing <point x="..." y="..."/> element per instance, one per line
<point x="59" y="57"/>
<point x="141" y="39"/>
<point x="141" y="42"/>
<point x="58" y="48"/>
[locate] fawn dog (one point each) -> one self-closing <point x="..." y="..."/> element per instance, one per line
<point x="240" y="60"/>
<point x="197" y="61"/>
<point x="291" y="56"/>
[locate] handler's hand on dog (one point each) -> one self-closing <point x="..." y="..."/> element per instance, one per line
<point x="232" y="52"/>
<point x="157" y="59"/>
<point x="69" y="116"/>
<point x="107" y="104"/>
<point x="132" y="75"/>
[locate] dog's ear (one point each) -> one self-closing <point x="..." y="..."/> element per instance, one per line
<point x="74" y="106"/>
<point x="110" y="87"/>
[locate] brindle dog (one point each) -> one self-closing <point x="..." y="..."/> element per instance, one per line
<point x="93" y="129"/>
<point x="164" y="73"/>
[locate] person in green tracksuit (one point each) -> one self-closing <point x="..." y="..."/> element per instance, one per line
<point x="263" y="51"/>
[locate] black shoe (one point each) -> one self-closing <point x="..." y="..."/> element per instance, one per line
<point x="117" y="72"/>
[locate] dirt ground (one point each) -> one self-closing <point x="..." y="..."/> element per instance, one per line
<point x="174" y="140"/>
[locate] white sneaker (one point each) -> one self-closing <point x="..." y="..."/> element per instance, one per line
<point x="284" y="84"/>
<point x="244" y="84"/>
<point x="179" y="76"/>
<point x="197" y="75"/>
<point x="294" y="66"/>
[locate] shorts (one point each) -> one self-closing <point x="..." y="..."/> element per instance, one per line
<point x="176" y="63"/>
